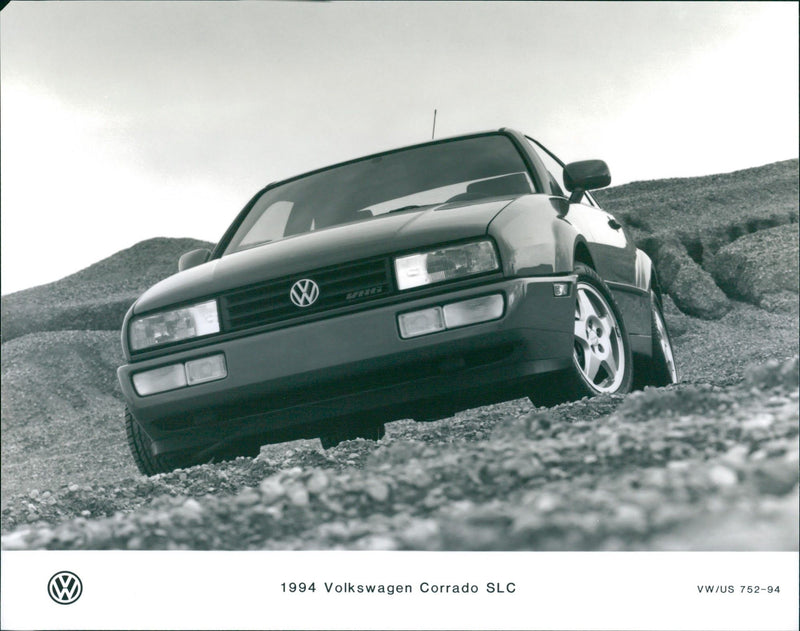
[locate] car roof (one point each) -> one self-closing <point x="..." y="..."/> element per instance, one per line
<point x="503" y="130"/>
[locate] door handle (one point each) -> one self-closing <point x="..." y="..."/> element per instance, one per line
<point x="613" y="223"/>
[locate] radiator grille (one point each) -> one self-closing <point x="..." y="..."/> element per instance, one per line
<point x="339" y="286"/>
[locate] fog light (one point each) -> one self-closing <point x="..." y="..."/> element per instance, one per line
<point x="420" y="322"/>
<point x="159" y="379"/>
<point x="206" y="369"/>
<point x="561" y="289"/>
<point x="473" y="311"/>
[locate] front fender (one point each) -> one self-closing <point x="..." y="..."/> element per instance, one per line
<point x="533" y="238"/>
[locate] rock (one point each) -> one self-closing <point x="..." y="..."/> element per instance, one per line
<point x="248" y="497"/>
<point x="421" y="534"/>
<point x="434" y="499"/>
<point x="415" y="475"/>
<point x="527" y="523"/>
<point x="678" y="465"/>
<point x="758" y="421"/>
<point x="692" y="289"/>
<point x="297" y="495"/>
<point x="378" y="542"/>
<point x="653" y="477"/>
<point x="631" y="517"/>
<point x="775" y="374"/>
<point x="722" y="476"/>
<point x="776" y="477"/>
<point x="135" y="543"/>
<point x="736" y="457"/>
<point x="271" y="490"/>
<point x="17" y="540"/>
<point x="317" y="482"/>
<point x="378" y="490"/>
<point x="609" y="447"/>
<point x="546" y="502"/>
<point x="758" y="265"/>
<point x="337" y="531"/>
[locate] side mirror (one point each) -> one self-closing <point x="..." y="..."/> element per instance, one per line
<point x="193" y="258"/>
<point x="585" y="175"/>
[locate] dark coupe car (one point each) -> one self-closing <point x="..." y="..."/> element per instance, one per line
<point x="408" y="284"/>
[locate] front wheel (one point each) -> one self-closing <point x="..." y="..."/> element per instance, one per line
<point x="601" y="356"/>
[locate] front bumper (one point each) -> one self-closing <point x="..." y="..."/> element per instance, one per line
<point x="289" y="383"/>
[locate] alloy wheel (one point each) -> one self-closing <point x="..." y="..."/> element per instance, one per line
<point x="599" y="349"/>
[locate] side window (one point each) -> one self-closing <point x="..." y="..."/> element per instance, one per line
<point x="554" y="168"/>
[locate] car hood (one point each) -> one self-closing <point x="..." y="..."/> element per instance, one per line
<point x="386" y="234"/>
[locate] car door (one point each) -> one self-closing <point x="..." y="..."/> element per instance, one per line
<point x="612" y="249"/>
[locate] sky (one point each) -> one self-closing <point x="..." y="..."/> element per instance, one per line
<point x="123" y="121"/>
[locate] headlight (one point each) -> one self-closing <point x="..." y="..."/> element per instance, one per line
<point x="435" y="266"/>
<point x="175" y="325"/>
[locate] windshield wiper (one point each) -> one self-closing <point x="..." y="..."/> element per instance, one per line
<point x="252" y="245"/>
<point x="412" y="206"/>
<point x="397" y="210"/>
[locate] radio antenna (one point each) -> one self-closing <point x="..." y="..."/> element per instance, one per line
<point x="433" y="133"/>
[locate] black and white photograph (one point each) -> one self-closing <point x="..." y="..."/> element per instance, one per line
<point x="399" y="315"/>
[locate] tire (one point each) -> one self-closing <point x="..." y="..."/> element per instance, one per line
<point x="659" y="369"/>
<point x="369" y="431"/>
<point x="141" y="449"/>
<point x="602" y="362"/>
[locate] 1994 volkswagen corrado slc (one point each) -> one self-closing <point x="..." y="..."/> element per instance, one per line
<point x="407" y="284"/>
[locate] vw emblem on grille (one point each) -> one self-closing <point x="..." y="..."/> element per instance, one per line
<point x="304" y="293"/>
<point x="65" y="588"/>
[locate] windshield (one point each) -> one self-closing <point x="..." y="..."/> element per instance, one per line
<point x="451" y="171"/>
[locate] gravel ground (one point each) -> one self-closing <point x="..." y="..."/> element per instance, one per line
<point x="658" y="469"/>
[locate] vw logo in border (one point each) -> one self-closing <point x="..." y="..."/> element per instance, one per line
<point x="64" y="587"/>
<point x="304" y="293"/>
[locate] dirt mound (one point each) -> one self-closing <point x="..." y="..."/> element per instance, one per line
<point x="683" y="223"/>
<point x="95" y="298"/>
<point x="61" y="409"/>
<point x="691" y="287"/>
<point x="760" y="267"/>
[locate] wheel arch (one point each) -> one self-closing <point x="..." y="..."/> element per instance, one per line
<point x="581" y="254"/>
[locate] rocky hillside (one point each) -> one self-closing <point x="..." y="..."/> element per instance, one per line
<point x="684" y="223"/>
<point x="705" y="464"/>
<point x="95" y="298"/>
